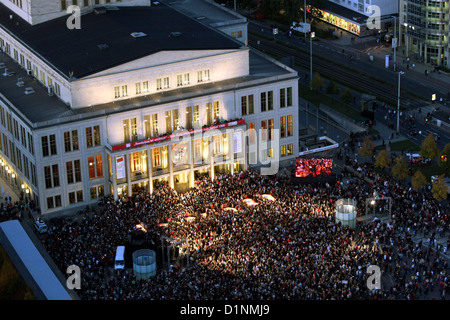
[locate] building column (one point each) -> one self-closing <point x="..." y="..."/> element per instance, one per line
<point x="150" y="170"/>
<point x="211" y="157"/>
<point x="128" y="166"/>
<point x="114" y="177"/>
<point x="169" y="162"/>
<point x="191" y="164"/>
<point x="231" y="150"/>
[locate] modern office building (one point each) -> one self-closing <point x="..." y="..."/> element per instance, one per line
<point x="426" y="29"/>
<point x="352" y="15"/>
<point x="138" y="95"/>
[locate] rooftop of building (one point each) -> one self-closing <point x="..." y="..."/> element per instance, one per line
<point x="39" y="110"/>
<point x="344" y="12"/>
<point x="206" y="11"/>
<point x="105" y="39"/>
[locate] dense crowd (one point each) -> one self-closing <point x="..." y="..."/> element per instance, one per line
<point x="289" y="247"/>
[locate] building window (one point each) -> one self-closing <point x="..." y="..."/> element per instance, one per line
<point x="290" y="149"/>
<point x="270" y="100"/>
<point x="134" y="131"/>
<point x="186" y="79"/>
<point x="75" y="196"/>
<point x="71" y="140"/>
<point x="263" y="102"/>
<point x="73" y="171"/>
<point x="95" y="167"/>
<point x="138" y="88"/>
<point x="264" y="130"/>
<point x="97" y="192"/>
<point x="244" y="105"/>
<point x="54" y="202"/>
<point x="179" y="80"/>
<point x="51" y="176"/>
<point x="92" y="136"/>
<point x="290" y="124"/>
<point x="63" y="5"/>
<point x="203" y="75"/>
<point x="155" y="130"/>
<point x="33" y="174"/>
<point x="48" y="141"/>
<point x="159" y="84"/>
<point x="283" y="151"/>
<point x="216" y="110"/>
<point x="176" y="120"/>
<point x="289" y="96"/>
<point x="236" y="34"/>
<point x="23" y="136"/>
<point x="166" y="83"/>
<point x="145" y="86"/>
<point x="124" y="90"/>
<point x="16" y="129"/>
<point x="116" y="92"/>
<point x="196" y="115"/>
<point x="282" y="98"/>
<point x="271" y="127"/>
<point x="30" y="143"/>
<point x="251" y="133"/>
<point x="282" y="127"/>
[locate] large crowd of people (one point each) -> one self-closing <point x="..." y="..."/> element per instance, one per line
<point x="285" y="247"/>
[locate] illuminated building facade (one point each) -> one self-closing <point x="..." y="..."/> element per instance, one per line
<point x="426" y="27"/>
<point x="352" y="15"/>
<point x="129" y="101"/>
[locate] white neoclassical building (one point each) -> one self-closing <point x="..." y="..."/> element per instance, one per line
<point x="140" y="94"/>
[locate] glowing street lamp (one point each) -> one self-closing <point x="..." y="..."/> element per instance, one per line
<point x="312" y="35"/>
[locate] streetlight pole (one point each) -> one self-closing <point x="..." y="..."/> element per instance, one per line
<point x="398" y="102"/>
<point x="395" y="42"/>
<point x="311" y="36"/>
<point x="305" y="21"/>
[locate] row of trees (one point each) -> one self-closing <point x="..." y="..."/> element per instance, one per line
<point x="401" y="171"/>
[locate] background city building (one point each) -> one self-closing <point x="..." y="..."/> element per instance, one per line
<point x="426" y="27"/>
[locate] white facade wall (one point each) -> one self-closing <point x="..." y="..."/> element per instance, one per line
<point x="99" y="88"/>
<point x="62" y="157"/>
<point x="38" y="11"/>
<point x="24" y="147"/>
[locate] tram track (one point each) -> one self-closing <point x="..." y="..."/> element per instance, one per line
<point x="354" y="79"/>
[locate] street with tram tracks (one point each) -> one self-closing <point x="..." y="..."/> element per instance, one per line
<point x="379" y="83"/>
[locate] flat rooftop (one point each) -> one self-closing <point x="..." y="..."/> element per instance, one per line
<point x="105" y="41"/>
<point x="42" y="110"/>
<point x="207" y="12"/>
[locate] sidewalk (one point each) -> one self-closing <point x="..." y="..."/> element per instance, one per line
<point x="367" y="46"/>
